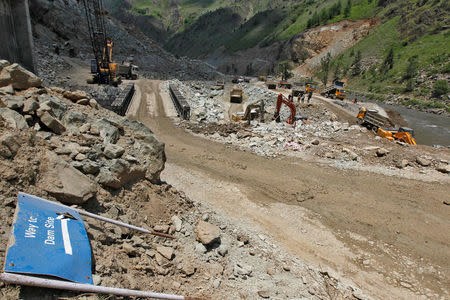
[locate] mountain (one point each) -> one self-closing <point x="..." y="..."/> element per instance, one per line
<point x="254" y="36"/>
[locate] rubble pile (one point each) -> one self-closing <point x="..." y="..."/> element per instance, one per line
<point x="206" y="103"/>
<point x="322" y="136"/>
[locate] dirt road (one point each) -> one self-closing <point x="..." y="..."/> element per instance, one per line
<point x="388" y="235"/>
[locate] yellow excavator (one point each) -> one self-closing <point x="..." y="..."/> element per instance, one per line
<point x="103" y="69"/>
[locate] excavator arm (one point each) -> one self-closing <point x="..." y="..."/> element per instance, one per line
<point x="280" y="100"/>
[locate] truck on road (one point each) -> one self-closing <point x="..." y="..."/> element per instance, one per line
<point x="236" y="95"/>
<point x="335" y="91"/>
<point x="128" y="71"/>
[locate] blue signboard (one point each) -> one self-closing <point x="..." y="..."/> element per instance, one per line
<point x="48" y="239"/>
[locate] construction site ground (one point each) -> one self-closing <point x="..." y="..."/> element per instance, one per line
<point x="387" y="234"/>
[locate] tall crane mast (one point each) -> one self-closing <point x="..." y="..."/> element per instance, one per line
<point x="104" y="70"/>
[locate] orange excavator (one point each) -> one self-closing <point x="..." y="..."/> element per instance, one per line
<point x="280" y="100"/>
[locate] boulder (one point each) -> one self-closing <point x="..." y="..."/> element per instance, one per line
<point x="351" y="154"/>
<point x="64" y="182"/>
<point x="30" y="106"/>
<point x="90" y="167"/>
<point x="207" y="233"/>
<point x="52" y="123"/>
<point x="4" y="63"/>
<point x="166" y="252"/>
<point x="56" y="106"/>
<point x="176" y="221"/>
<point x="443" y="168"/>
<point x="7" y="90"/>
<point x="423" y="161"/>
<point x="93" y="103"/>
<point x="401" y="164"/>
<point x="14" y="102"/>
<point x="73" y="120"/>
<point x="9" y="145"/>
<point x="119" y="173"/>
<point x="75" y="95"/>
<point x="382" y="152"/>
<point x="13" y="118"/>
<point x="19" y="77"/>
<point x="113" y="151"/>
<point x="107" y="131"/>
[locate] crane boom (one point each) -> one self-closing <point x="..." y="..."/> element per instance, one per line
<point x="106" y="70"/>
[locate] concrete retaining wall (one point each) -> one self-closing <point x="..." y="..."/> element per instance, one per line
<point x="15" y="33"/>
<point x="120" y="105"/>
<point x="183" y="108"/>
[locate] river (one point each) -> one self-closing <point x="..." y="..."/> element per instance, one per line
<point x="429" y="129"/>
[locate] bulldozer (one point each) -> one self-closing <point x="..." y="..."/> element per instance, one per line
<point x="103" y="69"/>
<point x="383" y="127"/>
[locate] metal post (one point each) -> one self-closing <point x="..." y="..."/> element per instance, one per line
<point x="86" y="288"/>
<point x="94" y="216"/>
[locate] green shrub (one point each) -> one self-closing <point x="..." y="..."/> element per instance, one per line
<point x="440" y="88"/>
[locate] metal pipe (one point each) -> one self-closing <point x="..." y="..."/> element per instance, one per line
<point x="94" y="216"/>
<point x="119" y="223"/>
<point x="80" y="287"/>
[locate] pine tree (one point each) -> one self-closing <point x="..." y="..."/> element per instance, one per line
<point x="356" y="66"/>
<point x="388" y="62"/>
<point x="347" y="8"/>
<point x="325" y="68"/>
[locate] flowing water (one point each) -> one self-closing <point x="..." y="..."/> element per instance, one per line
<point x="429" y="129"/>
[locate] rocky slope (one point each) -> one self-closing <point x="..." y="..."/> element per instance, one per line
<point x="62" y="24"/>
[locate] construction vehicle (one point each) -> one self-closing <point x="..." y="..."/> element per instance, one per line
<point x="103" y="69"/>
<point x="300" y="88"/>
<point x="280" y="100"/>
<point x="128" y="71"/>
<point x="335" y="91"/>
<point x="262" y="78"/>
<point x="236" y="95"/>
<point x="285" y="84"/>
<point x="220" y="85"/>
<point x="252" y="111"/>
<point x="384" y="127"/>
<point x="271" y="85"/>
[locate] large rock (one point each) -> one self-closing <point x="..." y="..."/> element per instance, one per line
<point x="75" y="95"/>
<point x="7" y="90"/>
<point x="113" y="151"/>
<point x="119" y="173"/>
<point x="52" y="123"/>
<point x="9" y="145"/>
<point x="13" y="118"/>
<point x="3" y="63"/>
<point x="423" y="161"/>
<point x="19" y="77"/>
<point x="108" y="131"/>
<point x="74" y="120"/>
<point x="443" y="168"/>
<point x="64" y="182"/>
<point x="55" y="106"/>
<point x="30" y="106"/>
<point x="14" y="102"/>
<point x="166" y="252"/>
<point x="207" y="233"/>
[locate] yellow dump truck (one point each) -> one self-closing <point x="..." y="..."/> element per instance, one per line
<point x="236" y="95"/>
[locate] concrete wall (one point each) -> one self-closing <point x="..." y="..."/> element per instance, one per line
<point x="16" y="40"/>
